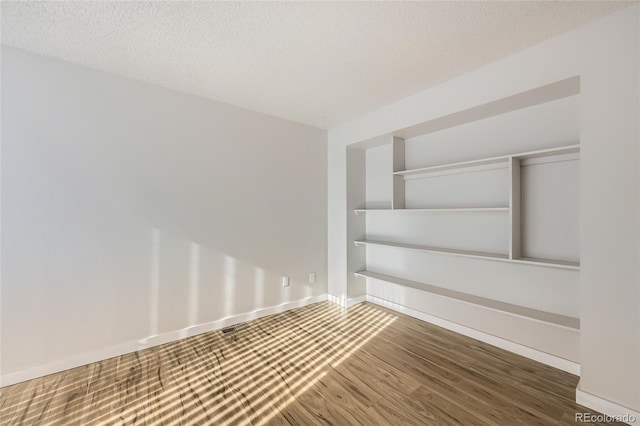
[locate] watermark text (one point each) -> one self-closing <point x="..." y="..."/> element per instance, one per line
<point x="604" y="418"/>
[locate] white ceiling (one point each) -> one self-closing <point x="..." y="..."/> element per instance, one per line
<point x="318" y="63"/>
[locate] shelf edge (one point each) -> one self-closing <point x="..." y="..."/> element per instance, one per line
<point x="479" y="255"/>
<point x="490" y="160"/>
<point x="508" y="308"/>
<point x="438" y="210"/>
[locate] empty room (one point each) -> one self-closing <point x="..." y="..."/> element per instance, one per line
<point x="320" y="213"/>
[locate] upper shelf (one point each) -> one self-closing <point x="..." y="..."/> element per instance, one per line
<point x="453" y="166"/>
<point x="438" y="210"/>
<point x="502" y="160"/>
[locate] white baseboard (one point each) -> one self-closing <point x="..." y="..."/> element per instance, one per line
<point x="344" y="302"/>
<point x="335" y="299"/>
<point x="14" y="377"/>
<point x="611" y="409"/>
<point x="543" y="357"/>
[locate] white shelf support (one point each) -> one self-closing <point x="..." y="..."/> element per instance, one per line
<point x="397" y="200"/>
<point x="515" y="241"/>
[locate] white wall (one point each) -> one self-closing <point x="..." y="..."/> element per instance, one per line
<point x="605" y="55"/>
<point x="378" y="171"/>
<point x="130" y="211"/>
<point x="610" y="211"/>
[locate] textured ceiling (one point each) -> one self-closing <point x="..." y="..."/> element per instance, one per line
<point x="319" y="63"/>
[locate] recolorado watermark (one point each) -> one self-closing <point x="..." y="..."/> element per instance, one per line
<point x="604" y="418"/>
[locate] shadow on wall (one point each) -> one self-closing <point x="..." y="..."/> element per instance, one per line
<point x="193" y="287"/>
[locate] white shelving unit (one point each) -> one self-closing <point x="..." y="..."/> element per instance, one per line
<point x="513" y="162"/>
<point x="471" y="224"/>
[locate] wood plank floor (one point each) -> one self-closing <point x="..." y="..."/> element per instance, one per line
<point x="317" y="365"/>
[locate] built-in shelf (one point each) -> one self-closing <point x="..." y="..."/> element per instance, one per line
<point x="454" y="166"/>
<point x="465" y="253"/>
<point x="548" y="262"/>
<point x="475" y="254"/>
<point x="438" y="210"/>
<point x="556" y="319"/>
<point x="502" y="160"/>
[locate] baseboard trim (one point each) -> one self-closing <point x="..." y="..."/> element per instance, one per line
<point x="11" y="378"/>
<point x="345" y="302"/>
<point x="606" y="407"/>
<point x="335" y="299"/>
<point x="536" y="355"/>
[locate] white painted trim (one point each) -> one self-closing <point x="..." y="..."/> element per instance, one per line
<point x="337" y="300"/>
<point x="344" y="302"/>
<point x="355" y="300"/>
<point x="606" y="407"/>
<point x="573" y="156"/>
<point x="543" y="357"/>
<point x="14" y="377"/>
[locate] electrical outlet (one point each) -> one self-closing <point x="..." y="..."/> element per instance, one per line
<point x="312" y="277"/>
<point x="285" y="281"/>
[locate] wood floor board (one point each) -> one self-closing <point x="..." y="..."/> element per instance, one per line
<point x="318" y="365"/>
<point x="408" y="412"/>
<point x="333" y="403"/>
<point x="57" y="399"/>
<point x="452" y="339"/>
<point x="462" y="394"/>
<point x="424" y="400"/>
<point x="296" y="414"/>
<point x="375" y="377"/>
<point x="478" y="361"/>
<point x="465" y="364"/>
<point x="423" y="364"/>
<point x="500" y="361"/>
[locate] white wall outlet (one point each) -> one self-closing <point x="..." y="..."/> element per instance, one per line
<point x="312" y="277"/>
<point x="285" y="281"/>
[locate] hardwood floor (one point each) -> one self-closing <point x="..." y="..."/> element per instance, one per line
<point x="317" y="365"/>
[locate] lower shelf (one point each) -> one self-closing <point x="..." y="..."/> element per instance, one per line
<point x="556" y="319"/>
<point x="477" y="254"/>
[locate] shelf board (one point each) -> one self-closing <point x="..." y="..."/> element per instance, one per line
<point x="501" y="160"/>
<point x="464" y="253"/>
<point x="569" y="149"/>
<point x="438" y="210"/>
<point x="556" y="319"/>
<point x="477" y="255"/>
<point x="454" y="166"/>
<point x="548" y="262"/>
